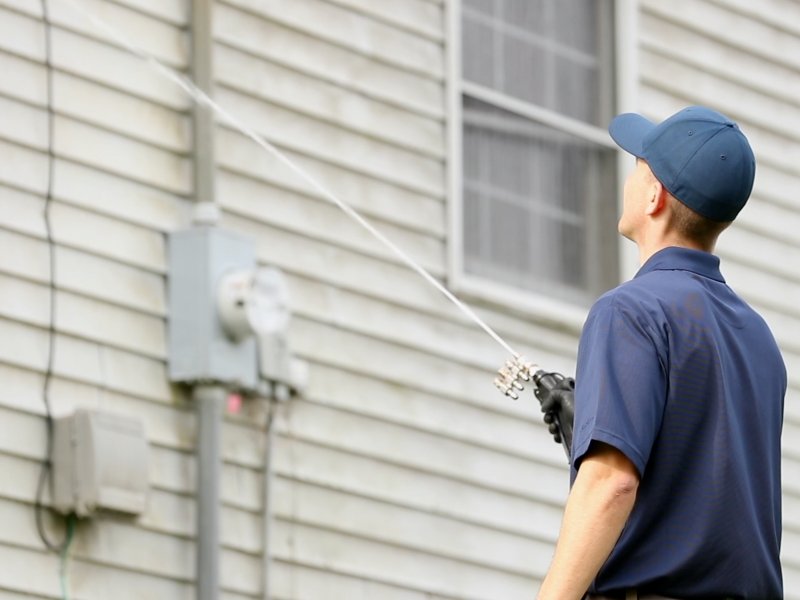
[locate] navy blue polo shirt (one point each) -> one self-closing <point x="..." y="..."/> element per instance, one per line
<point x="684" y="378"/>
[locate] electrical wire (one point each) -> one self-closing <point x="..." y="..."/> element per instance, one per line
<point x="200" y="97"/>
<point x="63" y="571"/>
<point x="46" y="468"/>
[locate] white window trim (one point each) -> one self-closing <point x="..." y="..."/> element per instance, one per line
<point x="529" y="304"/>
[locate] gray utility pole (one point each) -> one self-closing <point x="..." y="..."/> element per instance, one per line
<point x="208" y="399"/>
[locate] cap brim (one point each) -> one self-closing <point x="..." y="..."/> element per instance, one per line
<point x="628" y="130"/>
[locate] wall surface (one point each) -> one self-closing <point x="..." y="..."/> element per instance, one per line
<point x="401" y="473"/>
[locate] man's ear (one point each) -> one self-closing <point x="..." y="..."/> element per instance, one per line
<point x="656" y="198"/>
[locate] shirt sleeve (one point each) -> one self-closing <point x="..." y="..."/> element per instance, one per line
<point x="621" y="383"/>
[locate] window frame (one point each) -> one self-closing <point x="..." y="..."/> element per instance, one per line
<point x="487" y="291"/>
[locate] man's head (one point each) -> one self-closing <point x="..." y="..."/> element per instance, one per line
<point x="697" y="156"/>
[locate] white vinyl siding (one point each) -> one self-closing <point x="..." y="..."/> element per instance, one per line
<point x="401" y="474"/>
<point x="390" y="480"/>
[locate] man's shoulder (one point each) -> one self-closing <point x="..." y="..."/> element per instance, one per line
<point x="631" y="295"/>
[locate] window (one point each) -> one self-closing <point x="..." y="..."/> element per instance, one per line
<point x="538" y="172"/>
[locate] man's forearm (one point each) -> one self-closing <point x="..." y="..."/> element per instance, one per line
<point x="597" y="509"/>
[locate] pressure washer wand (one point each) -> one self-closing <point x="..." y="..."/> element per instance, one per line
<point x="555" y="393"/>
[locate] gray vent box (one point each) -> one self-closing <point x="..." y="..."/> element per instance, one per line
<point x="100" y="462"/>
<point x="199" y="347"/>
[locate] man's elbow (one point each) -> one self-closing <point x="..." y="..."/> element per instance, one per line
<point x="612" y="470"/>
<point x="624" y="485"/>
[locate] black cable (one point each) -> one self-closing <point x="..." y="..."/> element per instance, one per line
<point x="44" y="474"/>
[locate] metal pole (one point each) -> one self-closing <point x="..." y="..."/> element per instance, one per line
<point x="267" y="513"/>
<point x="202" y="72"/>
<point x="210" y="400"/>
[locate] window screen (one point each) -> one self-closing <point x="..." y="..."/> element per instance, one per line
<point x="539" y="204"/>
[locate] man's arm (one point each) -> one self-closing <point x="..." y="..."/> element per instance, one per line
<point x="597" y="509"/>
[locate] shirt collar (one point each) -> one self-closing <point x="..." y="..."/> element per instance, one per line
<point x="675" y="258"/>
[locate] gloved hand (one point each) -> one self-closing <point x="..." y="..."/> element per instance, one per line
<point x="556" y="395"/>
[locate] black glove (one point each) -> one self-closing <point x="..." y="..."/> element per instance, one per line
<point x="556" y="394"/>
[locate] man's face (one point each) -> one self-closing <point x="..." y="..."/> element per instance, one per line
<point x="638" y="186"/>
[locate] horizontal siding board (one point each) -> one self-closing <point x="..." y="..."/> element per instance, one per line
<point x="435" y="374"/>
<point x="336" y="264"/>
<point x="83" y="273"/>
<point x="82" y="317"/>
<point x="114" y="67"/>
<point x="22" y="34"/>
<point x="121" y="155"/>
<point x="114" y="543"/>
<point x="769" y="219"/>
<point x="425" y="452"/>
<point x="774" y="256"/>
<point x="334" y="104"/>
<point x="287" y="129"/>
<point x="21" y="212"/>
<point x="329" y="62"/>
<point x="87" y="362"/>
<point x="707" y="55"/>
<point x="119" y="112"/>
<point x="780" y="14"/>
<point x="523" y="432"/>
<point x="371" y="560"/>
<point x="103" y="279"/>
<point x="24" y="79"/>
<point x="290" y="581"/>
<point x="324" y="221"/>
<point x="417" y="16"/>
<point x="370" y="195"/>
<point x="23" y="124"/>
<point x="155" y="36"/>
<point x="775" y="184"/>
<point x="716" y="22"/>
<point x="399" y="526"/>
<point x="131" y="244"/>
<point x="23" y="570"/>
<point x="23" y="168"/>
<point x="403" y="485"/>
<point x="457" y="340"/>
<point x="369" y="37"/>
<point x="176" y="12"/>
<point x="133" y="202"/>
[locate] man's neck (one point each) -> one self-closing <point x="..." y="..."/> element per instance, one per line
<point x="646" y="250"/>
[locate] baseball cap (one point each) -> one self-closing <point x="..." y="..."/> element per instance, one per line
<point x="699" y="155"/>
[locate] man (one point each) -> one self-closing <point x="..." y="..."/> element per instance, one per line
<point x="680" y="386"/>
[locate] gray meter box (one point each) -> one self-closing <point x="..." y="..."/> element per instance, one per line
<point x="199" y="348"/>
<point x="100" y="461"/>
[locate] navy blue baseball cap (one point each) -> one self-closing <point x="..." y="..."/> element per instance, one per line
<point x="699" y="155"/>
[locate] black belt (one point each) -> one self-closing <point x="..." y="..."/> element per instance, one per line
<point x="627" y="596"/>
<point x="632" y="595"/>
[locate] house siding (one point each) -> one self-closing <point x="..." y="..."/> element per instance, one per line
<point x="401" y="473"/>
